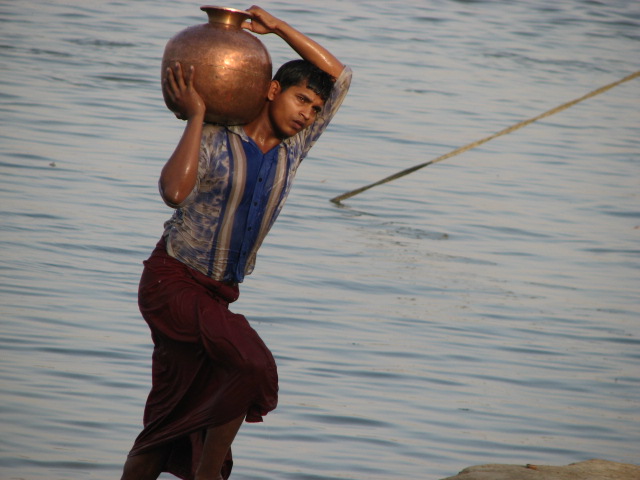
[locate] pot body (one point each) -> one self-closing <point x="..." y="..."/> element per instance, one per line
<point x="232" y="67"/>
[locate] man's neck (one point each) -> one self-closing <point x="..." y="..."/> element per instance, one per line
<point x="261" y="131"/>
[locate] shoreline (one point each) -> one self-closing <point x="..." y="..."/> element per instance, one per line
<point x="595" y="469"/>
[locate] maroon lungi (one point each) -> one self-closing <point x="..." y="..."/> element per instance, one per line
<point x="208" y="367"/>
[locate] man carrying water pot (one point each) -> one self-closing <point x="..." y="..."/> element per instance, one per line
<point x="211" y="371"/>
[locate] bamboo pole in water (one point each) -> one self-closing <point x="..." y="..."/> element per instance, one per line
<point x="471" y="145"/>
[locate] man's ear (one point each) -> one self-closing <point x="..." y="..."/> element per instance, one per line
<point x="274" y="90"/>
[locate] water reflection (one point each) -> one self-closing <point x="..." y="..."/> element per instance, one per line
<point x="481" y="310"/>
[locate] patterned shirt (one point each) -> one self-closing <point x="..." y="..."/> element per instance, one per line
<point x="220" y="226"/>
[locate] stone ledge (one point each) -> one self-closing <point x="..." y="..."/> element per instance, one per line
<point x="587" y="470"/>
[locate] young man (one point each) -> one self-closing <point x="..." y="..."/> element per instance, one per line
<point x="211" y="371"/>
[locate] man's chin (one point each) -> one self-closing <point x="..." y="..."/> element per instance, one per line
<point x="282" y="135"/>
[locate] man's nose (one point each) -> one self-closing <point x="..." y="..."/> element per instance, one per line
<point x="306" y="113"/>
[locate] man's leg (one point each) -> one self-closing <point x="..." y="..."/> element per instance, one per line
<point x="146" y="466"/>
<point x="215" y="448"/>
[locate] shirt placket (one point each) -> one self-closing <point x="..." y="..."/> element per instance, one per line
<point x="256" y="211"/>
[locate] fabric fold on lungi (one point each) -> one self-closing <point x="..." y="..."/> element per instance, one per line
<point x="209" y="366"/>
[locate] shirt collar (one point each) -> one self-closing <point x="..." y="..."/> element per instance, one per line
<point x="239" y="130"/>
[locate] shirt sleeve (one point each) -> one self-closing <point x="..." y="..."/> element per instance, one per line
<point x="308" y="137"/>
<point x="210" y="144"/>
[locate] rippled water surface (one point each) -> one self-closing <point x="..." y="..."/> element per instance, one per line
<point x="482" y="310"/>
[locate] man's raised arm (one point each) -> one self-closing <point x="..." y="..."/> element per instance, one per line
<point x="263" y="22"/>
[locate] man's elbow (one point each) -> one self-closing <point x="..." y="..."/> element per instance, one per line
<point x="172" y="197"/>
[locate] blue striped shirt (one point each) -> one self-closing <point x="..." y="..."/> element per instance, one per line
<point x="238" y="195"/>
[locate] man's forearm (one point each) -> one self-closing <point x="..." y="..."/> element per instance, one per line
<point x="310" y="50"/>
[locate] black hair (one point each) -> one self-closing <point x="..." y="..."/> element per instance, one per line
<point x="296" y="72"/>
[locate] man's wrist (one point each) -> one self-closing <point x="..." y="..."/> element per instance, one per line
<point x="283" y="29"/>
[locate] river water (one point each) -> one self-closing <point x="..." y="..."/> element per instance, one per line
<point x="482" y="310"/>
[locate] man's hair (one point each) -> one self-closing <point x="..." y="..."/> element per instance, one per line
<point x="298" y="72"/>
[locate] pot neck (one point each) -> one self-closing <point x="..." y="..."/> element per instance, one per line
<point x="225" y="15"/>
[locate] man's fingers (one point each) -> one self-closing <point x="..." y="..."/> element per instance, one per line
<point x="179" y="76"/>
<point x="176" y="81"/>
<point x="171" y="83"/>
<point x="190" y="75"/>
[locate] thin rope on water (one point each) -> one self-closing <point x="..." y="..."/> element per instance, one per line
<point x="471" y="145"/>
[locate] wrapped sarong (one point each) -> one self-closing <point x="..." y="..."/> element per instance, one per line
<point x="209" y="366"/>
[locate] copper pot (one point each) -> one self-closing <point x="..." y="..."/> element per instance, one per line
<point x="232" y="67"/>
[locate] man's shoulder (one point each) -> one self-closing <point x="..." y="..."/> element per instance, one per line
<point x="213" y="136"/>
<point x="212" y="129"/>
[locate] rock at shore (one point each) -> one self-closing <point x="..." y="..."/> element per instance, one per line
<point x="587" y="470"/>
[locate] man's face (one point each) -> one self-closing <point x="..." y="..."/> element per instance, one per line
<point x="293" y="109"/>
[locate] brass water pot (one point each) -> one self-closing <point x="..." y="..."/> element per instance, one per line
<point x="232" y="67"/>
